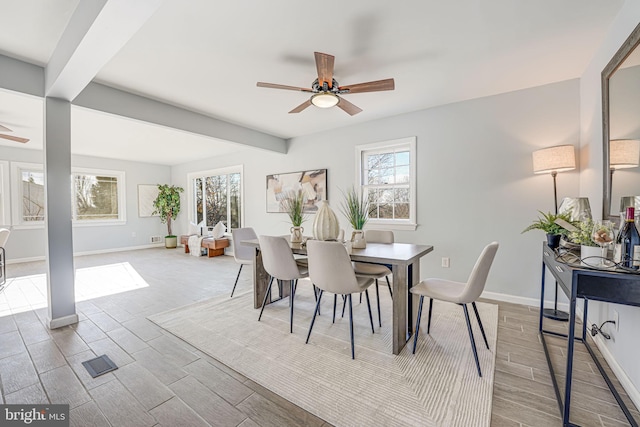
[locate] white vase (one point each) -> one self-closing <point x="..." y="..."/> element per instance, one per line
<point x="296" y="234"/>
<point x="357" y="240"/>
<point x="590" y="256"/>
<point x="325" y="224"/>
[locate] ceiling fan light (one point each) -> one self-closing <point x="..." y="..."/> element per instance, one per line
<point x="324" y="100"/>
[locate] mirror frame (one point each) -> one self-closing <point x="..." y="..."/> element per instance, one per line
<point x="623" y="53"/>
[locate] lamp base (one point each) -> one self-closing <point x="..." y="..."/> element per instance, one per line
<point x="553" y="314"/>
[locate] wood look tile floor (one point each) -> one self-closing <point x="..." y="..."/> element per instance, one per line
<point x="163" y="381"/>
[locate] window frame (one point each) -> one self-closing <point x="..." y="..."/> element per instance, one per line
<point x="16" y="196"/>
<point x="409" y="144"/>
<point x="191" y="199"/>
<point x="122" y="208"/>
<point x="5" y="196"/>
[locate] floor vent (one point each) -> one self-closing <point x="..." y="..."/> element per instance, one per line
<point x="156" y="239"/>
<point x="100" y="365"/>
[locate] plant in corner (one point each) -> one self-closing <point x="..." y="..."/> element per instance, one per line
<point x="293" y="205"/>
<point x="356" y="208"/>
<point x="547" y="223"/>
<point x="167" y="205"/>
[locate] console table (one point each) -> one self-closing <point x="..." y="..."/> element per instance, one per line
<point x="596" y="285"/>
<point x="215" y="247"/>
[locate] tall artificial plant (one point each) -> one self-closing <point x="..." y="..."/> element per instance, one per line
<point x="167" y="204"/>
<point x="355" y="207"/>
<point x="293" y="205"/>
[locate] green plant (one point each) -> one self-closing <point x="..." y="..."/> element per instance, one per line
<point x="355" y="207"/>
<point x="547" y="223"/>
<point x="167" y="204"/>
<point x="293" y="205"/>
<point x="582" y="236"/>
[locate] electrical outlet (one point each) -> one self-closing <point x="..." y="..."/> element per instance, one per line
<point x="445" y="262"/>
<point x="616" y="318"/>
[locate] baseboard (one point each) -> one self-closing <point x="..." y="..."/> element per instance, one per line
<point x="97" y="252"/>
<point x="532" y="302"/>
<point x="63" y="321"/>
<point x="625" y="381"/>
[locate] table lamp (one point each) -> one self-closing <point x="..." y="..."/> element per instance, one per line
<point x="578" y="208"/>
<point x="552" y="160"/>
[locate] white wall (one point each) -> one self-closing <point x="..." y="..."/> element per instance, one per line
<point x="475" y="179"/>
<point x="25" y="244"/>
<point x="624" y="347"/>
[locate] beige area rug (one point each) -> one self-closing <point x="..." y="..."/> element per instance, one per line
<point x="438" y="386"/>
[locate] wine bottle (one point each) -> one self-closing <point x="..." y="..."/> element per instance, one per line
<point x="629" y="240"/>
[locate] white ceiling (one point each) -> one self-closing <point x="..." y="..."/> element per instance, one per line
<point x="207" y="57"/>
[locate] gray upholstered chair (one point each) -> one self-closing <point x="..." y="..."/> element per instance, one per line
<point x="330" y="269"/>
<point x="279" y="262"/>
<point x="376" y="271"/>
<point x="243" y="254"/>
<point x="458" y="293"/>
<point x="4" y="236"/>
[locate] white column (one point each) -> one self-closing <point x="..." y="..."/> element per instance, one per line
<point x="57" y="171"/>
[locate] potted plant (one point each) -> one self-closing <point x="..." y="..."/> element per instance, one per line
<point x="167" y="205"/>
<point x="547" y="223"/>
<point x="293" y="205"/>
<point x="583" y="236"/>
<point x="356" y="208"/>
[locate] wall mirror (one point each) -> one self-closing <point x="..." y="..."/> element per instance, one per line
<point x="621" y="129"/>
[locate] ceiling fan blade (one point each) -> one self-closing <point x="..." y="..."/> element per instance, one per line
<point x="376" y="86"/>
<point x="276" y="86"/>
<point x="348" y="107"/>
<point x="5" y="129"/>
<point x="14" y="138"/>
<point x="324" y="64"/>
<point x="301" y="107"/>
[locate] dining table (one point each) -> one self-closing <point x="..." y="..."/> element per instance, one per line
<point x="403" y="260"/>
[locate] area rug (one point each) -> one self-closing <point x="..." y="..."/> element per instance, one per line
<point x="438" y="386"/>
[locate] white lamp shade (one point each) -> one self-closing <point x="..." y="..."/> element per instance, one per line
<point x="324" y="100"/>
<point x="624" y="153"/>
<point x="554" y="159"/>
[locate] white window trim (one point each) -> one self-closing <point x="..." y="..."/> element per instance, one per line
<point x="5" y="208"/>
<point x="122" y="199"/>
<point x="16" y="194"/>
<point x="392" y="224"/>
<point x="191" y="203"/>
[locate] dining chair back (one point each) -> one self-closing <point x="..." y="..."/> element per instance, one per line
<point x="379" y="236"/>
<point x="243" y="254"/>
<point x="330" y="269"/>
<point x="458" y="293"/>
<point x="279" y="262"/>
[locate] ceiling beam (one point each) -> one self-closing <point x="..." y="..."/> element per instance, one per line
<point x="20" y="76"/>
<point x="97" y="30"/>
<point x="103" y="98"/>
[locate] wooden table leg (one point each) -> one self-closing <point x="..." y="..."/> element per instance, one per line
<point x="399" y="316"/>
<point x="261" y="281"/>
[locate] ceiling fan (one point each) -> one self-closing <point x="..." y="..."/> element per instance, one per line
<point x="11" y="137"/>
<point x="326" y="90"/>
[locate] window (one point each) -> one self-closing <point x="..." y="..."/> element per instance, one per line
<point x="217" y="196"/>
<point x="98" y="196"/>
<point x="5" y="202"/>
<point x="386" y="174"/>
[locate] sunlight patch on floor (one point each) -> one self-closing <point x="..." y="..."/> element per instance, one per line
<point x="28" y="293"/>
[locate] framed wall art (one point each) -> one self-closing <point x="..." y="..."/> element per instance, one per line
<point x="313" y="183"/>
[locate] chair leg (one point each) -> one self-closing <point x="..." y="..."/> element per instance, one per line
<point x="389" y="286"/>
<point x="313" y="319"/>
<point x="366" y="294"/>
<point x="360" y="297"/>
<point x="353" y="354"/>
<point x="473" y="304"/>
<point x="415" y="334"/>
<point x="264" y="301"/>
<point x="473" y="341"/>
<point x="237" y="277"/>
<point x="316" y="291"/>
<point x="292" y="294"/>
<point x="344" y="303"/>
<point x="335" y="301"/>
<point x="430" y="310"/>
<point x="378" y="298"/>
